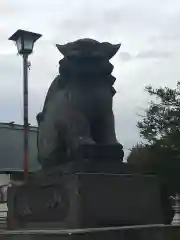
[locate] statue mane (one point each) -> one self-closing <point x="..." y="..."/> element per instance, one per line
<point x="84" y="59"/>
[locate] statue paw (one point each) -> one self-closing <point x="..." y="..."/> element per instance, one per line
<point x="86" y="141"/>
<point x="55" y="200"/>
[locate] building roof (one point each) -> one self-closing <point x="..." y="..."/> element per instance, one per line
<point x="11" y="148"/>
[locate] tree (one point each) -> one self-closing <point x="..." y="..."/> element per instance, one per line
<point x="160" y="127"/>
<point x="140" y="157"/>
<point x="161" y="123"/>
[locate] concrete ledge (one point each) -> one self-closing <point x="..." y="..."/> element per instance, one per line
<point x="145" y="232"/>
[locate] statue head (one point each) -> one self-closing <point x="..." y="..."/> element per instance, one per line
<point x="85" y="48"/>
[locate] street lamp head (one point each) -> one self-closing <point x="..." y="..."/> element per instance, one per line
<point x="25" y="41"/>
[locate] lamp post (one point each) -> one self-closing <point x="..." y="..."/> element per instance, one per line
<point x="25" y="42"/>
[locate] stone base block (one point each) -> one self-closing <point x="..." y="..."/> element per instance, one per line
<point x="86" y="200"/>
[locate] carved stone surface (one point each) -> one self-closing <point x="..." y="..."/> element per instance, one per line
<point x="88" y="200"/>
<point x="78" y="107"/>
<point x="42" y="200"/>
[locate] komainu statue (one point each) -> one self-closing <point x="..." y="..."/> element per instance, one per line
<point x="78" y="107"/>
<point x="76" y="136"/>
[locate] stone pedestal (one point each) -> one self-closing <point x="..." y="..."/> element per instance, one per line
<point x="85" y="200"/>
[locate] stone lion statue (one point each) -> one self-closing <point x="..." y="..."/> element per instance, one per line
<point x="78" y="106"/>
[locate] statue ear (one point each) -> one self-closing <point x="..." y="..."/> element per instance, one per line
<point x="67" y="50"/>
<point x="110" y="49"/>
<point x="63" y="49"/>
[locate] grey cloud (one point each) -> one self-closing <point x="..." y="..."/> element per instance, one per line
<point x="125" y="122"/>
<point x="125" y="56"/>
<point x="11" y="87"/>
<point x="134" y="23"/>
<point x="154" y="54"/>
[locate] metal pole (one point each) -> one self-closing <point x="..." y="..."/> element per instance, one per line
<point x="26" y="124"/>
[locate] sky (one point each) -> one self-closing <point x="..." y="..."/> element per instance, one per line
<point x="150" y="52"/>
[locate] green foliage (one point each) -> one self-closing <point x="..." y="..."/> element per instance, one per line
<point x="140" y="157"/>
<point x="161" y="124"/>
<point x="152" y="159"/>
<point x="160" y="127"/>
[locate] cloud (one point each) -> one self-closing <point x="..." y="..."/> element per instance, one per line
<point x="125" y="56"/>
<point x="149" y="53"/>
<point x="154" y="54"/>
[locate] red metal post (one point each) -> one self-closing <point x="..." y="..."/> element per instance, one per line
<point x="26" y="124"/>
